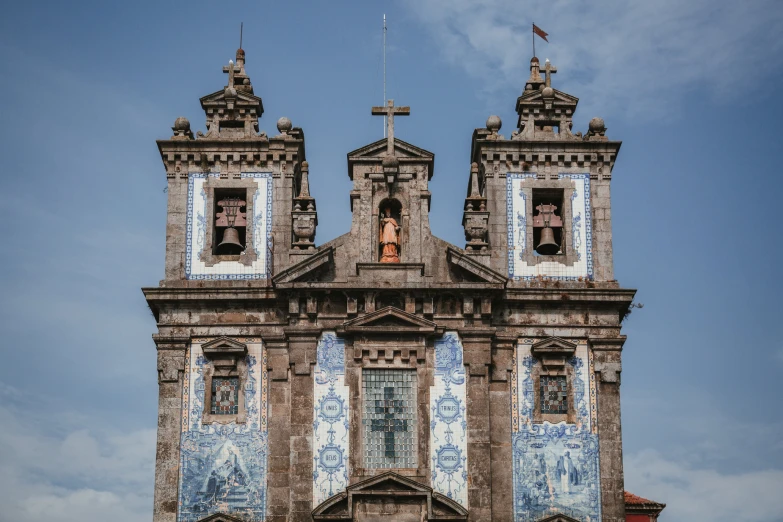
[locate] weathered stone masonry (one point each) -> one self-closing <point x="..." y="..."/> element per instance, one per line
<point x="297" y="319"/>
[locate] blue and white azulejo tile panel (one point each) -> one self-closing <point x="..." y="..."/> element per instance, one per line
<point x="556" y="466"/>
<point x="223" y="467"/>
<point x="519" y="210"/>
<point x="448" y="424"/>
<point x="259" y="224"/>
<point x="330" y="419"/>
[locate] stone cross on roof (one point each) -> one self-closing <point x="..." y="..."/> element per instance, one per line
<point x="389" y="111"/>
<point x="549" y="69"/>
<point x="231" y="70"/>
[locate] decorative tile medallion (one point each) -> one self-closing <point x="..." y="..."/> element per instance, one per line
<point x="448" y="425"/>
<point x="260" y="225"/>
<point x="330" y="420"/>
<point x="581" y="231"/>
<point x="223" y="467"/>
<point x="556" y="466"/>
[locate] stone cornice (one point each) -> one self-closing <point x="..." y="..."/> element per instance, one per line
<point x="520" y="155"/>
<point x="468" y="264"/>
<point x="313" y="262"/>
<point x="620" y="296"/>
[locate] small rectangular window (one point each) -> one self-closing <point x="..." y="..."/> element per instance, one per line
<point x="389" y="419"/>
<point x="225" y="396"/>
<point x="554" y="394"/>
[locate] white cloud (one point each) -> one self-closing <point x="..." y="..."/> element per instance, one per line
<point x="54" y="466"/>
<point x="704" y="494"/>
<point x="626" y="58"/>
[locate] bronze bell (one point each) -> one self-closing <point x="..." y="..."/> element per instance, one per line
<point x="547" y="246"/>
<point x="230" y="243"/>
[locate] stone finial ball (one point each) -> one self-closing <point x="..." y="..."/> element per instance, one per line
<point x="390" y="162"/>
<point x="597" y="124"/>
<point x="284" y="124"/>
<point x="182" y="124"/>
<point x="548" y="92"/>
<point x="494" y="123"/>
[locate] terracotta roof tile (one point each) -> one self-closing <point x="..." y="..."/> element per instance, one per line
<point x="632" y="499"/>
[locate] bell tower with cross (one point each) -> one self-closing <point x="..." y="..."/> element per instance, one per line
<point x="390" y="174"/>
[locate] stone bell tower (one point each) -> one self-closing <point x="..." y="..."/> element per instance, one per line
<point x="239" y="210"/>
<point x="538" y="210"/>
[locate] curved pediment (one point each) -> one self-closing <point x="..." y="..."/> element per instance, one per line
<point x="400" y="499"/>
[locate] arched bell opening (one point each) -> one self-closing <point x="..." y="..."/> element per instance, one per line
<point x="390" y="231"/>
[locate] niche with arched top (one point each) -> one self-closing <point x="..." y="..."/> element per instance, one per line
<point x="389" y="231"/>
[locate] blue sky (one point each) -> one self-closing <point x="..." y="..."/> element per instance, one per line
<point x="690" y="87"/>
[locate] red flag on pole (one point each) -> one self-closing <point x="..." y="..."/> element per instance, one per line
<point x="540" y="32"/>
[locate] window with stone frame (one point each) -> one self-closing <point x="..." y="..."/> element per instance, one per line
<point x="225" y="376"/>
<point x="553" y="381"/>
<point x="389" y="418"/>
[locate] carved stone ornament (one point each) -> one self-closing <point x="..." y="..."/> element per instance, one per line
<point x="304" y="230"/>
<point x="609" y="371"/>
<point x="476" y="230"/>
<point x="169" y="366"/>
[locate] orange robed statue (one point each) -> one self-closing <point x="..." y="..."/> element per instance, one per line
<point x="390" y="238"/>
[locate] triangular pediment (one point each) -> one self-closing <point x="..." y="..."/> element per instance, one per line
<point x="218" y="99"/>
<point x="389" y="318"/>
<point x="560" y="97"/>
<point x="389" y="481"/>
<point x="480" y="271"/>
<point x="402" y="150"/>
<point x="389" y="487"/>
<point x="558" y="518"/>
<point x="553" y="346"/>
<point x="220" y="517"/>
<point x="306" y="269"/>
<point x="224" y="344"/>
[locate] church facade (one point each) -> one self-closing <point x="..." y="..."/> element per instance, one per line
<point x="387" y="374"/>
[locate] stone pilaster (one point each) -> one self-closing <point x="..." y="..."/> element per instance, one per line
<point x="477" y="357"/>
<point x="607" y="359"/>
<point x="501" y="452"/>
<point x="278" y="478"/>
<point x="303" y="348"/>
<point x="171" y="367"/>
